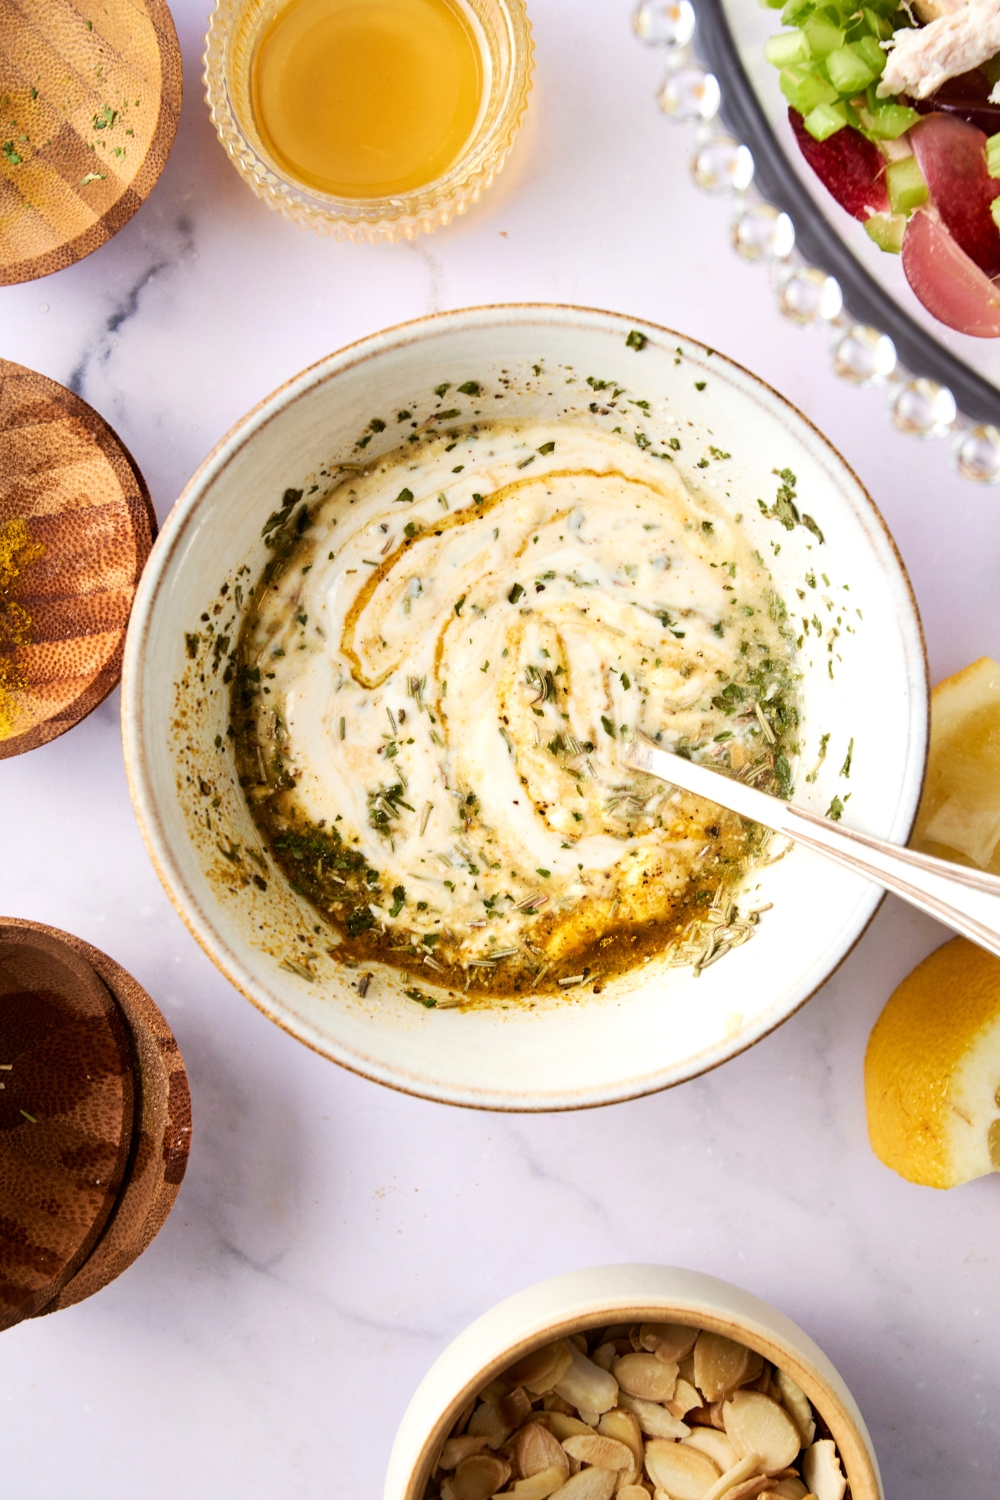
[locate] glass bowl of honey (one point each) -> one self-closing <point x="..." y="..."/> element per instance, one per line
<point x="368" y="119"/>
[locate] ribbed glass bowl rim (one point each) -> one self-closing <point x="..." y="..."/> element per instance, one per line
<point x="400" y="217"/>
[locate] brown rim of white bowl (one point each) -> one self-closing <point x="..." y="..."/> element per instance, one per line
<point x="847" y="1429"/>
<point x="171" y="538"/>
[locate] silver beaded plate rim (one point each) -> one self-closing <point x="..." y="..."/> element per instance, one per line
<point x="805" y="294"/>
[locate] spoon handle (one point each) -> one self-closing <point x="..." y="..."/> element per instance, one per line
<point x="964" y="899"/>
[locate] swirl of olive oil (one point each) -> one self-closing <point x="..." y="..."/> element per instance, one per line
<point x="540" y="943"/>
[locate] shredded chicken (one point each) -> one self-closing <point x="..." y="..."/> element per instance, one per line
<point x="921" y="60"/>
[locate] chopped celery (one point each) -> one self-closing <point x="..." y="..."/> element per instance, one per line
<point x="848" y="70"/>
<point x="887" y="231"/>
<point x="869" y="50"/>
<point x="993" y="156"/>
<point x="822" y="38"/>
<point x="785" y="48"/>
<point x="796" y="11"/>
<point x="904" y="182"/>
<point x="804" y="91"/>
<point x="825" y="120"/>
<point x="995" y="211"/>
<point x="879" y="26"/>
<point x="883" y="121"/>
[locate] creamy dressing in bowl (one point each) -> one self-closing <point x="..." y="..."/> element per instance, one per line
<point x="434" y="682"/>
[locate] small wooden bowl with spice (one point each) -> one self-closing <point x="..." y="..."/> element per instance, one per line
<point x="95" y="1120"/>
<point x="91" y="101"/>
<point x="76" y="527"/>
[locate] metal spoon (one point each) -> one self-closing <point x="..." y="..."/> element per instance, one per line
<point x="967" y="900"/>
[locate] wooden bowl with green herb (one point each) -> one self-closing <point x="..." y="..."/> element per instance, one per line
<point x="90" y="101"/>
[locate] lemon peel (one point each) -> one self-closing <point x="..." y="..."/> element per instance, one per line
<point x="959" y="814"/>
<point x="932" y="1070"/>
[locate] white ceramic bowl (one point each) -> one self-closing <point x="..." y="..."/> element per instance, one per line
<point x="620" y="1294"/>
<point x="653" y="1027"/>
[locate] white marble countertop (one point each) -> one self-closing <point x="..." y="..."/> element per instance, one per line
<point x="331" y="1236"/>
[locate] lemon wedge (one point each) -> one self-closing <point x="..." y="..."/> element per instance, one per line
<point x="959" y="815"/>
<point x="932" y="1070"/>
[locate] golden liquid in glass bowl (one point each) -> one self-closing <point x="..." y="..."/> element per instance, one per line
<point x="367" y="98"/>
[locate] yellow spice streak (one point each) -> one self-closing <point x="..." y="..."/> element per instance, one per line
<point x="367" y="98"/>
<point x="17" y="552"/>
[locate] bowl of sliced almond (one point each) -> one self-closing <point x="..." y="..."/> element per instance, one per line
<point x="641" y="1382"/>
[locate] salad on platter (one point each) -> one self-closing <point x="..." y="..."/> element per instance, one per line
<point x="896" y="108"/>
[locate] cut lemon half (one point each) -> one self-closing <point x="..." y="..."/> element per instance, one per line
<point x="932" y="1070"/>
<point x="959" y="815"/>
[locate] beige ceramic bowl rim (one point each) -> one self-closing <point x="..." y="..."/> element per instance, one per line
<point x="171" y="535"/>
<point x="416" y="211"/>
<point x="767" y="1331"/>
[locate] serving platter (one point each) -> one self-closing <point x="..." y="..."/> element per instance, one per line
<point x="940" y="383"/>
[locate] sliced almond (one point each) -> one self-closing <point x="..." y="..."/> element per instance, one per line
<point x="716" y="1444"/>
<point x="486" y="1422"/>
<point x="684" y="1473"/>
<point x="552" y="1402"/>
<point x="734" y="1477"/>
<point x="756" y="1424"/>
<point x="720" y="1365"/>
<point x="479" y="1477"/>
<point x="579" y="1342"/>
<point x="604" y="1356"/>
<point x="455" y="1449"/>
<point x="646" y="1376"/>
<point x="590" y="1484"/>
<point x="765" y="1379"/>
<point x="496" y="1389"/>
<point x="564" y="1427"/>
<point x="821" y="1470"/>
<point x="539" y="1487"/>
<point x="583" y="1384"/>
<point x="464" y="1417"/>
<point x="624" y="1426"/>
<point x="602" y="1452"/>
<point x="686" y="1370"/>
<point x="632" y="1492"/>
<point x="514" y="1408"/>
<point x="670" y="1341"/>
<point x="590" y="1417"/>
<point x="707" y="1416"/>
<point x="541" y="1370"/>
<point x="750" y="1488"/>
<point x="537" y="1449"/>
<point x="655" y="1421"/>
<point x="796" y="1403"/>
<point x="790" y="1489"/>
<point x="684" y="1399"/>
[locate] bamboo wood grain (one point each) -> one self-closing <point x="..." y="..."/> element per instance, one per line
<point x="160" y="1135"/>
<point x="73" y="484"/>
<point x="90" y="97"/>
<point x="66" y="1116"/>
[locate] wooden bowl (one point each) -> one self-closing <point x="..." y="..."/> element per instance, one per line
<point x="76" y="527"/>
<point x="599" y="1296"/>
<point x="91" y="103"/>
<point x="95" y="1120"/>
